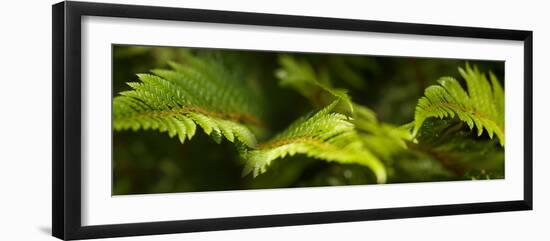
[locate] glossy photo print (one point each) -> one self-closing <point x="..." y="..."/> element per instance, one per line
<point x="197" y="119"/>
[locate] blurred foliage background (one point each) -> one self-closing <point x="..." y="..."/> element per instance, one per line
<point x="151" y="162"/>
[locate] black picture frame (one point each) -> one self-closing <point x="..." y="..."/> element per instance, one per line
<point x="66" y="168"/>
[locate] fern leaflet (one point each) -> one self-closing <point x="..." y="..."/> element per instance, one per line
<point x="481" y="107"/>
<point x="324" y="135"/>
<point x="201" y="92"/>
<point x="382" y="139"/>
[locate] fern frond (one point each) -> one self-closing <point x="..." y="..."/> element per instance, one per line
<point x="201" y="92"/>
<point x="380" y="140"/>
<point x="481" y="107"/>
<point x="300" y="76"/>
<point x="325" y="135"/>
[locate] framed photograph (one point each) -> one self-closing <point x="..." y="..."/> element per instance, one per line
<point x="169" y="120"/>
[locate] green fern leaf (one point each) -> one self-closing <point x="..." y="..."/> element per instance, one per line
<point x="201" y="92"/>
<point x="383" y="139"/>
<point x="481" y="107"/>
<point x="325" y="135"/>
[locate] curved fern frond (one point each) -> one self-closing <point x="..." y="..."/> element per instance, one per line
<point x="380" y="140"/>
<point x="201" y="92"/>
<point x="481" y="107"/>
<point x="325" y="135"/>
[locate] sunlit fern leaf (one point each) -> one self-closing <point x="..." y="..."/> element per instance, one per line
<point x="325" y="135"/>
<point x="383" y="139"/>
<point x="481" y="107"/>
<point x="201" y="92"/>
<point x="378" y="138"/>
<point x="316" y="86"/>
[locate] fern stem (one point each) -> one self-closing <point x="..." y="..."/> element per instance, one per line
<point x="302" y="139"/>
<point x="239" y="117"/>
